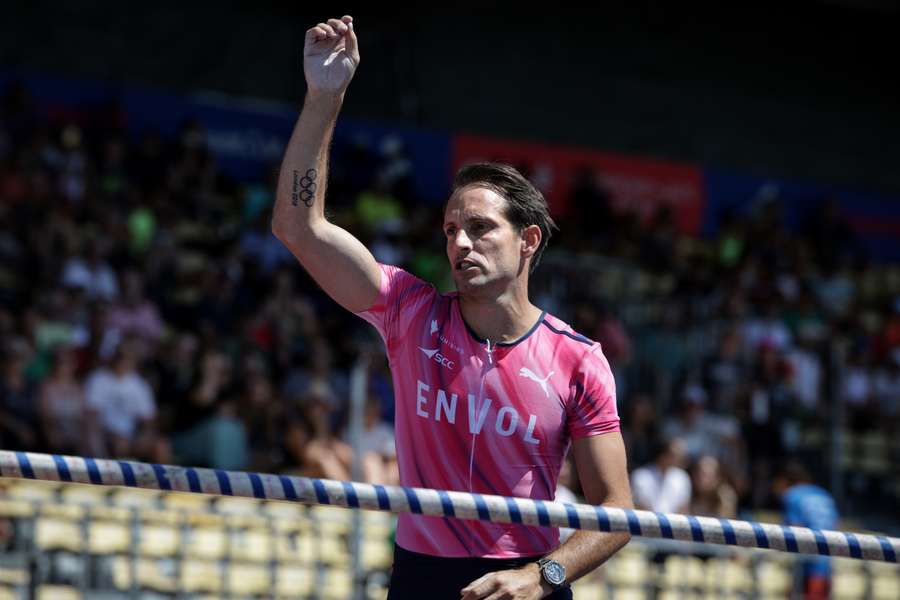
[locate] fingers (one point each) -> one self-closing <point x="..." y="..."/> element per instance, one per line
<point x="332" y="30"/>
<point x="338" y="26"/>
<point x="479" y="588"/>
<point x="351" y="43"/>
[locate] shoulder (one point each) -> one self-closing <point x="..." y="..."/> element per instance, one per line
<point x="566" y="334"/>
<point x="575" y="350"/>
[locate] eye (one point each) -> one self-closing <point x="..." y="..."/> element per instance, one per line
<point x="450" y="231"/>
<point x="480" y="227"/>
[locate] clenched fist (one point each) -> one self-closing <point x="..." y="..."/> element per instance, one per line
<point x="330" y="56"/>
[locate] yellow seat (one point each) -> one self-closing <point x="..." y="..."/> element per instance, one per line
<point x="333" y="550"/>
<point x="8" y="593"/>
<point x="376" y="554"/>
<point x="294" y="581"/>
<point x="728" y="576"/>
<point x="156" y="575"/>
<point x="298" y="548"/>
<point x="377" y="524"/>
<point x="33" y="491"/>
<point x="330" y="519"/>
<point x="850" y="585"/>
<point x="16" y="509"/>
<point x="338" y="584"/>
<point x="249" y="580"/>
<point x="117" y="514"/>
<point x="252" y="545"/>
<point x="186" y="502"/>
<point x="66" y="512"/>
<point x="108" y="538"/>
<point x="629" y="593"/>
<point x="589" y="589"/>
<point x="628" y="570"/>
<point x="206" y="542"/>
<point x="230" y="505"/>
<point x="120" y="568"/>
<point x="774" y="578"/>
<point x="885" y="584"/>
<point x="57" y="592"/>
<point x="288" y="516"/>
<point x="201" y="576"/>
<point x="161" y="517"/>
<point x="80" y="493"/>
<point x="680" y="572"/>
<point x="14" y="576"/>
<point x="135" y="498"/>
<point x="58" y="534"/>
<point x="158" y="541"/>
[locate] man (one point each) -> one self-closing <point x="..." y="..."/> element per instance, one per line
<point x="807" y="505"/>
<point x="490" y="391"/>
<point x="663" y="485"/>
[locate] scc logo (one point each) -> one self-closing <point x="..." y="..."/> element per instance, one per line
<point x="437" y="357"/>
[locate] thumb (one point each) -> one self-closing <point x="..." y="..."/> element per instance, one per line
<point x="351" y="43"/>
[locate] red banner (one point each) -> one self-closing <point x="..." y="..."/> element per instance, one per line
<point x="638" y="185"/>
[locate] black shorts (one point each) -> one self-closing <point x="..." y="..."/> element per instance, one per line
<point x="421" y="576"/>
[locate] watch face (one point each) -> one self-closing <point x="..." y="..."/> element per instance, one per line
<point x="555" y="572"/>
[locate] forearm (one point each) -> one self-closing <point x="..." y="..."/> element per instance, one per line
<point x="299" y="201"/>
<point x="586" y="550"/>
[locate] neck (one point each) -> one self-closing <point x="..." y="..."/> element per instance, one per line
<point x="503" y="319"/>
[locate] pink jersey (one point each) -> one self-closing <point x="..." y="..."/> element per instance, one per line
<point x="492" y="419"/>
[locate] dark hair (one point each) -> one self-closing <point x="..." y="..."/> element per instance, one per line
<point x="525" y="205"/>
<point x="795" y="471"/>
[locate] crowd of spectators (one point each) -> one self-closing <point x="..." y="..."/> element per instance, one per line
<point x="146" y="311"/>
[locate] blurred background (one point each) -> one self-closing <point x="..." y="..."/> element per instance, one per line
<point x="727" y="188"/>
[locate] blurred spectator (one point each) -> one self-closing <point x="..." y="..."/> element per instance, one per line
<point x="642" y="430"/>
<point x="663" y="485"/>
<point x="376" y="443"/>
<point x="311" y="440"/>
<point x="135" y="316"/>
<point x="91" y="273"/>
<point x="261" y="412"/>
<point x="18" y="418"/>
<point x="205" y="428"/>
<point x="124" y="403"/>
<point x="712" y="495"/>
<point x="68" y="424"/>
<point x="858" y="392"/>
<point x="725" y="372"/>
<point x="700" y="431"/>
<point x="807" y="505"/>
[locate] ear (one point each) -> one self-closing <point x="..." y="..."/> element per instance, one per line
<point x="531" y="240"/>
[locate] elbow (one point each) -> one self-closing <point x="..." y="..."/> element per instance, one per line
<point x="286" y="235"/>
<point x="278" y="230"/>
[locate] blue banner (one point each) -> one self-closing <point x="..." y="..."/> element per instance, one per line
<point x="246" y="136"/>
<point x="874" y="217"/>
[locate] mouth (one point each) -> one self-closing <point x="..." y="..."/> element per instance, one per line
<point x="465" y="264"/>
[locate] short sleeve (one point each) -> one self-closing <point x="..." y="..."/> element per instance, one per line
<point x="592" y="409"/>
<point x="400" y="300"/>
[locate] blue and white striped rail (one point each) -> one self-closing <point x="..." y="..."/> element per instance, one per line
<point x="438" y="503"/>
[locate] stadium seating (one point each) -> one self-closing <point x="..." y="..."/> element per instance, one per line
<point x="105" y="542"/>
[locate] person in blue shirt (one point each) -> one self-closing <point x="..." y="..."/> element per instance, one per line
<point x="808" y="505"/>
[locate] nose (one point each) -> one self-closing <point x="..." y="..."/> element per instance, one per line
<point x="461" y="240"/>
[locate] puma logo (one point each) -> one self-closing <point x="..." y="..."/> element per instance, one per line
<point x="526" y="372"/>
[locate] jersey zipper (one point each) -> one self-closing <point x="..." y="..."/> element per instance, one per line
<point x="487" y="366"/>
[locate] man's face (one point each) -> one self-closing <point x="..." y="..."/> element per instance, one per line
<point x="482" y="245"/>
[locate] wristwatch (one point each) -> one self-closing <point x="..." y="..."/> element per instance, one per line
<point x="553" y="573"/>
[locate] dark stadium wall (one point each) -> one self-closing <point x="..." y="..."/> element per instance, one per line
<point x="805" y="94"/>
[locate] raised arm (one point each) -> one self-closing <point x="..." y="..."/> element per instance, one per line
<point x="335" y="259"/>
